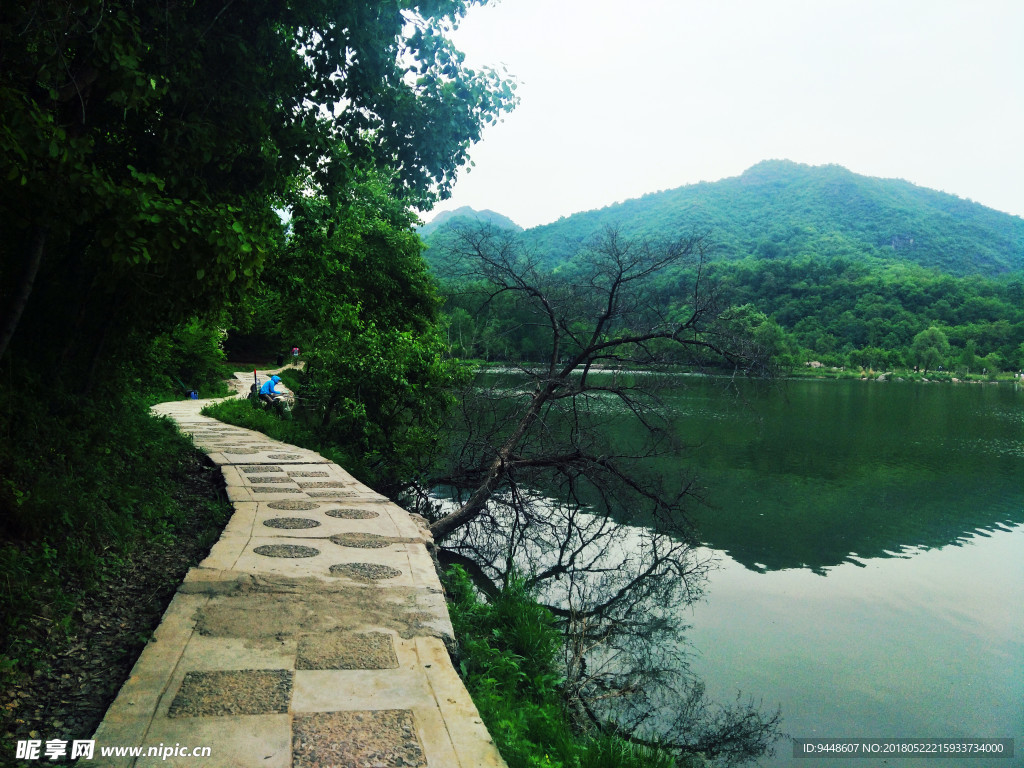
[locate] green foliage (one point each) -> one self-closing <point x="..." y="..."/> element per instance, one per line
<point x="83" y="485"/>
<point x="784" y="210"/>
<point x="930" y="348"/>
<point x="839" y="306"/>
<point x="144" y="149"/>
<point x="610" y="751"/>
<point x="836" y="311"/>
<point x="841" y="264"/>
<point x="511" y="662"/>
<point x="189" y="357"/>
<point x="759" y="337"/>
<point x="349" y="286"/>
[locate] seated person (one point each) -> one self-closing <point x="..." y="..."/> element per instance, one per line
<point x="267" y="392"/>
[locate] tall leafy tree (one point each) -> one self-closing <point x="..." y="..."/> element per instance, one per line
<point x="930" y="348"/>
<point x="348" y="285"/>
<point x="144" y="146"/>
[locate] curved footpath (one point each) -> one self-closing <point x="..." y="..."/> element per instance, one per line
<point x="313" y="635"/>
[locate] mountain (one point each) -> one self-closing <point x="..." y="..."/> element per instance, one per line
<point x="465" y="213"/>
<point x="849" y="269"/>
<point x="779" y="209"/>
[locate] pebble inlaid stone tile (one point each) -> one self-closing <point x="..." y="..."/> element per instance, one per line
<point x="346" y="650"/>
<point x="273" y="489"/>
<point x="384" y="738"/>
<point x="334" y="494"/>
<point x="284" y="456"/>
<point x="352" y="514"/>
<point x="362" y="540"/>
<point x="323" y="484"/>
<point x="365" y="571"/>
<point x="263" y="468"/>
<point x="304" y="473"/>
<point x="293" y="504"/>
<point x="286" y="550"/>
<point x="291" y="522"/>
<point x="270" y="479"/>
<point x="233" y="692"/>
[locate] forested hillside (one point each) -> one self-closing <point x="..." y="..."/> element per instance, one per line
<point x="780" y="209"/>
<point x="850" y="269"/>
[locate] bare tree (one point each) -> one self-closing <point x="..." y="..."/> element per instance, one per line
<point x="536" y="488"/>
<point x="599" y="314"/>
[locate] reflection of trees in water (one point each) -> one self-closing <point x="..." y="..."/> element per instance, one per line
<point x="613" y="556"/>
<point x="618" y="591"/>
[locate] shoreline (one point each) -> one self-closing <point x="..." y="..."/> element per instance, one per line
<point x="830" y="374"/>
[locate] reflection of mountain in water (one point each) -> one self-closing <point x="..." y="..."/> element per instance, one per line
<point x="809" y="474"/>
<point x="792" y="523"/>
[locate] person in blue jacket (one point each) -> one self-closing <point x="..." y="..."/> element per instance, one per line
<point x="268" y="393"/>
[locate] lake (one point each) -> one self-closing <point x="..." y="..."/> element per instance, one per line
<point x="870" y="539"/>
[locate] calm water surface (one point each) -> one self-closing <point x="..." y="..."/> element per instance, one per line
<point x="871" y="547"/>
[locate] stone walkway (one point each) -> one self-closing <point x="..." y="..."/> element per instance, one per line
<point x="313" y="635"/>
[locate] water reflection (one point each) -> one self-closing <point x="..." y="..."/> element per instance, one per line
<point x="821" y="473"/>
<point x="927" y="642"/>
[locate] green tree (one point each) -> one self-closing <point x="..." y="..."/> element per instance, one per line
<point x="462" y="332"/>
<point x="762" y="339"/>
<point x="349" y="286"/>
<point x="991" y="364"/>
<point x="968" y="358"/>
<point x="144" y="147"/>
<point x="930" y="348"/>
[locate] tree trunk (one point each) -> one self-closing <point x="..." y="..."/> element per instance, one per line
<point x="23" y="289"/>
<point x="478" y="501"/>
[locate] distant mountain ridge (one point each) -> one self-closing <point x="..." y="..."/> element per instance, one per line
<point x="781" y="209"/>
<point x="468" y="214"/>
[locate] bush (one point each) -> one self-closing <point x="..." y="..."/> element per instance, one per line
<point x="189" y="357"/>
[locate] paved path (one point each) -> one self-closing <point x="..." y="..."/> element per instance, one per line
<point x="313" y="635"/>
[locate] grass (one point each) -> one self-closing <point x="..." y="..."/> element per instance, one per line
<point x="243" y="413"/>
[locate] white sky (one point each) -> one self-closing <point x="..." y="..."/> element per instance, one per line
<point x="623" y="98"/>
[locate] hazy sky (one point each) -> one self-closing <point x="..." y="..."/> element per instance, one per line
<point x="624" y="98"/>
